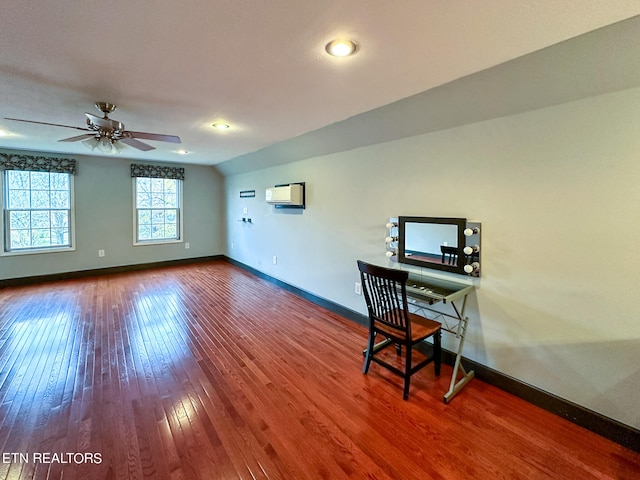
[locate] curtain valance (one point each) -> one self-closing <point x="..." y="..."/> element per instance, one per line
<point x="10" y="161"/>
<point x="156" y="171"/>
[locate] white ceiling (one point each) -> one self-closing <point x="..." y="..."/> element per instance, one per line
<point x="177" y="67"/>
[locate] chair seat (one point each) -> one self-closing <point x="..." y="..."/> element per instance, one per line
<point x="420" y="328"/>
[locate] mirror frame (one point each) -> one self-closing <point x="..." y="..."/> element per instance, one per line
<point x="460" y="223"/>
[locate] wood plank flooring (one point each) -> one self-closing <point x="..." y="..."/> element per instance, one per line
<point x="207" y="372"/>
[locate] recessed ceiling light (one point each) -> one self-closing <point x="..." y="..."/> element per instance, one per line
<point x="220" y="126"/>
<point x="183" y="152"/>
<point x="341" y="47"/>
<point x="4" y="134"/>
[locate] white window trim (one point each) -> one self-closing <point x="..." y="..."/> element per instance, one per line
<point x="37" y="251"/>
<point x="136" y="242"/>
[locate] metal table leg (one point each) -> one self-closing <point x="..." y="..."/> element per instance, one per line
<point x="456" y="385"/>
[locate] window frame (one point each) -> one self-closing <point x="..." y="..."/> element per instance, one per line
<point x="161" y="241"/>
<point x="5" y="250"/>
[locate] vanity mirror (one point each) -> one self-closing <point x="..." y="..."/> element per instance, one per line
<point x="440" y="243"/>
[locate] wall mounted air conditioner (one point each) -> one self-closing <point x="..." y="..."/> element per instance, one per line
<point x="286" y="195"/>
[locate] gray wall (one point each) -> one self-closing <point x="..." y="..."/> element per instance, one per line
<point x="104" y="221"/>
<point x="556" y="190"/>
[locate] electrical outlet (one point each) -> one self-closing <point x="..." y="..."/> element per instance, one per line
<point x="232" y="245"/>
<point x="187" y="245"/>
<point x="275" y="260"/>
<point x="245" y="210"/>
<point x="101" y="253"/>
<point x="358" y="288"/>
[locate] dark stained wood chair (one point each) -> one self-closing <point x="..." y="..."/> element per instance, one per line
<point x="385" y="294"/>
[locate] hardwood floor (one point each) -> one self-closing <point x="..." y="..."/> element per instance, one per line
<point x="206" y="372"/>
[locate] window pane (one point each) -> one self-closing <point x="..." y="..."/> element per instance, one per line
<point x="60" y="181"/>
<point x="59" y="199"/>
<point x="60" y="218"/>
<point x="171" y="186"/>
<point x="18" y="180"/>
<point x="40" y="219"/>
<point x="170" y="216"/>
<point x="157" y="216"/>
<point x="144" y="232"/>
<point x="20" y="239"/>
<point x="40" y="180"/>
<point x="171" y="200"/>
<point x="157" y="200"/>
<point x="157" y="185"/>
<point x="19" y="219"/>
<point x="143" y="200"/>
<point x="40" y="237"/>
<point x="143" y="185"/>
<point x="170" y="230"/>
<point x="40" y="199"/>
<point x="144" y="217"/>
<point x="59" y="236"/>
<point x="19" y="199"/>
<point x="157" y="231"/>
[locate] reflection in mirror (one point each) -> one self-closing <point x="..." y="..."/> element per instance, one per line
<point x="433" y="243"/>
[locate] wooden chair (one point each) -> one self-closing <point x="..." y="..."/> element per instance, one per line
<point x="385" y="294"/>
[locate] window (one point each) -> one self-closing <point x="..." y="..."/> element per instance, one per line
<point x="37" y="210"/>
<point x="157" y="209"/>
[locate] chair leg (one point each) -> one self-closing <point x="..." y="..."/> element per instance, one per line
<point x="437" y="351"/>
<point x="369" y="354"/>
<point x="398" y="349"/>
<point x="407" y="372"/>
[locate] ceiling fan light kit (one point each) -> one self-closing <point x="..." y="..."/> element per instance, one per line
<point x="108" y="135"/>
<point x="104" y="144"/>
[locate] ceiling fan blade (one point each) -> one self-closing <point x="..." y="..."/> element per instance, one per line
<point x="132" y="142"/>
<point x="104" y="123"/>
<point x="78" y="138"/>
<point x="46" y="123"/>
<point x="154" y="136"/>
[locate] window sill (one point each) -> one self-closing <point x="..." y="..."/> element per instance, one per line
<point x="36" y="251"/>
<point x="156" y="242"/>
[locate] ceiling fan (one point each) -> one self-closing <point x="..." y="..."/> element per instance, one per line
<point x="106" y="134"/>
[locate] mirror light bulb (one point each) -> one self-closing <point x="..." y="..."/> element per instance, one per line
<point x="470" y="250"/>
<point x="474" y="267"/>
<point x="391" y="225"/>
<point x="390" y="254"/>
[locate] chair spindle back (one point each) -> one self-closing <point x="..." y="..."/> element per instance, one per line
<point x="385" y="295"/>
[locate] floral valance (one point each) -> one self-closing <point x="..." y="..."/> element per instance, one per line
<point x="155" y="171"/>
<point x="10" y="161"/>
